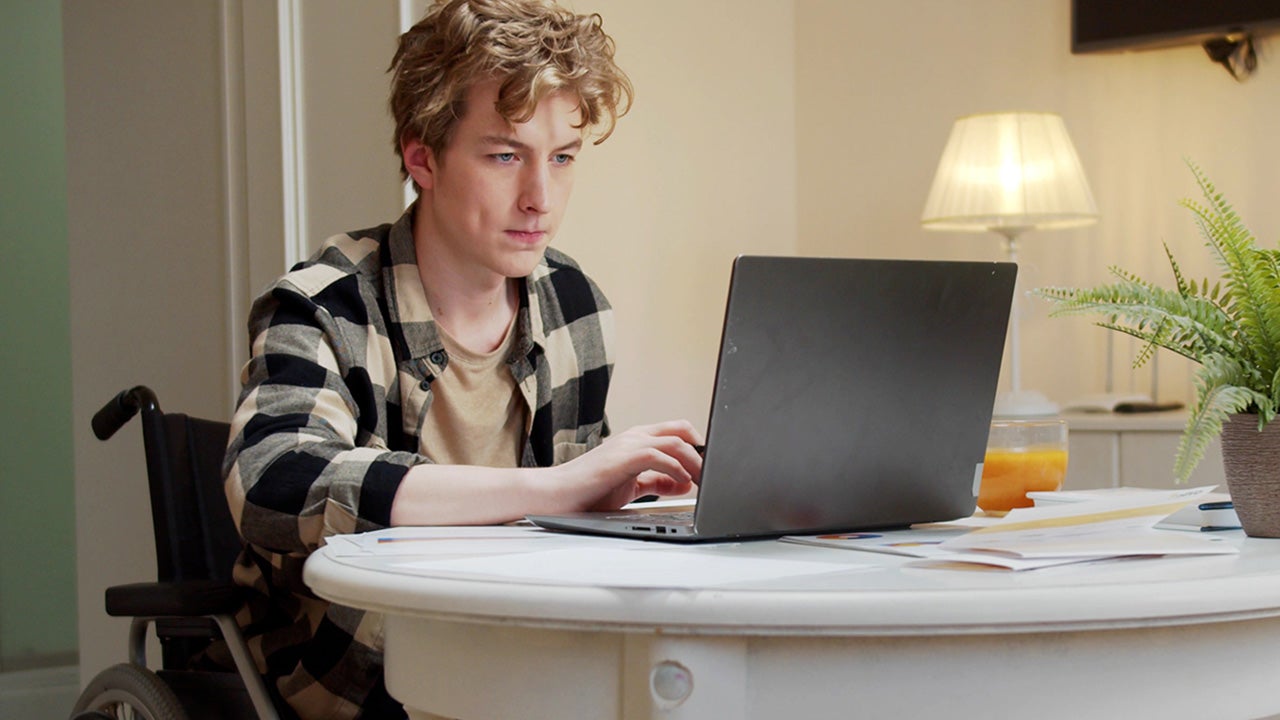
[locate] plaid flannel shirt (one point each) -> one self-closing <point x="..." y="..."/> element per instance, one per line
<point x="334" y="398"/>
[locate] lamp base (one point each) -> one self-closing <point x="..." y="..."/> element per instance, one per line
<point x="1023" y="403"/>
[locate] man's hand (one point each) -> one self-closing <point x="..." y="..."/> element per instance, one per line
<point x="650" y="460"/>
<point x="659" y="459"/>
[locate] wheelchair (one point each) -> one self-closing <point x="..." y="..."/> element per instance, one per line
<point x="194" y="599"/>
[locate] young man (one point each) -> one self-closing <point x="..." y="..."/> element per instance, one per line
<point x="446" y="369"/>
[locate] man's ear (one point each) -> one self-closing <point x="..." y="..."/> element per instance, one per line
<point x="419" y="162"/>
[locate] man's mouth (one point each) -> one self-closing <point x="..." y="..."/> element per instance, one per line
<point x="528" y="236"/>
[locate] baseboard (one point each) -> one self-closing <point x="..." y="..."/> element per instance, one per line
<point x="42" y="694"/>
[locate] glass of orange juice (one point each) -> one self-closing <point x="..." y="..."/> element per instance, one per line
<point x="1022" y="456"/>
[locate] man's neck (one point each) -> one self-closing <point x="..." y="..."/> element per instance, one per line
<point x="474" y="307"/>
<point x="477" y="318"/>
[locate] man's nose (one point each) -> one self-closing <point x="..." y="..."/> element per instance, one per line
<point x="534" y="196"/>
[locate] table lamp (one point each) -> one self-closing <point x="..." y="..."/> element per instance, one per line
<point x="1008" y="173"/>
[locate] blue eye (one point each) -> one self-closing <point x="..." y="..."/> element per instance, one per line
<point x="562" y="159"/>
<point x="504" y="157"/>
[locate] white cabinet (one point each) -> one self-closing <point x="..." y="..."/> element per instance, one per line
<point x="1113" y="449"/>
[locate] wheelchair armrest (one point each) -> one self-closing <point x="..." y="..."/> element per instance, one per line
<point x="189" y="598"/>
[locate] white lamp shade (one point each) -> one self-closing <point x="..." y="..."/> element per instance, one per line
<point x="1009" y="171"/>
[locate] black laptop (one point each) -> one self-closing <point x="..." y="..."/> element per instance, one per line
<point x="850" y="394"/>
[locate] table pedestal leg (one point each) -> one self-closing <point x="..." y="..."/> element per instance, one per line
<point x="483" y="672"/>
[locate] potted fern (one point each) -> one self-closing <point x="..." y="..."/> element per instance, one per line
<point x="1231" y="328"/>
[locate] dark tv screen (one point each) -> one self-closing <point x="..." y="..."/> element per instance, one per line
<point x="1101" y="25"/>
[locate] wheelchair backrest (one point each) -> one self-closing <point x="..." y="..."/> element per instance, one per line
<point x="196" y="537"/>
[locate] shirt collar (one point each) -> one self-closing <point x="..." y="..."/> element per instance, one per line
<point x="407" y="306"/>
<point x="530" y="322"/>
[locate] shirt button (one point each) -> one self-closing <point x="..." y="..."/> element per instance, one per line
<point x="439" y="358"/>
<point x="425" y="384"/>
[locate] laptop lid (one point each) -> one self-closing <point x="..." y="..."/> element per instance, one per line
<point x="849" y="394"/>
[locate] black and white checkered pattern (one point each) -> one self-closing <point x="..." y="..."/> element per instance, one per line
<point x="335" y="395"/>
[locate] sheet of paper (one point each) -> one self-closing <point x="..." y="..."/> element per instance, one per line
<point x="1114" y="526"/>
<point x="917" y="543"/>
<point x="977" y="520"/>
<point x="1110" y="527"/>
<point x="1142" y="541"/>
<point x="469" y="540"/>
<point x="1211" y="511"/>
<point x="926" y="549"/>
<point x="635" y="567"/>
<point x="946" y="560"/>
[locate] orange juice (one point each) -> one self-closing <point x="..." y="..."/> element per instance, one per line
<point x="1008" y="475"/>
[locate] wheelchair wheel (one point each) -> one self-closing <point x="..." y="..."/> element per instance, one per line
<point x="128" y="692"/>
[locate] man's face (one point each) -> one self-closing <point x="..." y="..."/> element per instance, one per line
<point x="493" y="200"/>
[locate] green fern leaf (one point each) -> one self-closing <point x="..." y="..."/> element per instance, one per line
<point x="1231" y="327"/>
<point x="1219" y="396"/>
<point x="1179" y="282"/>
<point x="1251" y="291"/>
<point x="1189" y="325"/>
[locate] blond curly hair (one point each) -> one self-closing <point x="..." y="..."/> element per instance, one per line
<point x="532" y="47"/>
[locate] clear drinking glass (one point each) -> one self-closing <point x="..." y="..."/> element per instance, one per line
<point x="1022" y="456"/>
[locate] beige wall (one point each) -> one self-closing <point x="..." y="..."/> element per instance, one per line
<point x="879" y="83"/>
<point x="147" y="266"/>
<point x="702" y="169"/>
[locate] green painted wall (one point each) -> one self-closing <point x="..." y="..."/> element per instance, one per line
<point x="37" y="508"/>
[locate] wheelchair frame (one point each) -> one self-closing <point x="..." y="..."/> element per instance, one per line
<point x="194" y="600"/>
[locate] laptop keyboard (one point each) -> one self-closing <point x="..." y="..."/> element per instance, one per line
<point x="682" y="517"/>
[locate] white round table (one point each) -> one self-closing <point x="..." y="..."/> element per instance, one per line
<point x="1193" y="637"/>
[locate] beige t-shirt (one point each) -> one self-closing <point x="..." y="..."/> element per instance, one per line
<point x="477" y="413"/>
